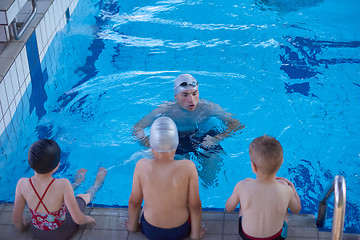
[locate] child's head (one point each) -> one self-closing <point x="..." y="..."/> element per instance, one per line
<point x="44" y="155"/>
<point x="266" y="154"/>
<point x="164" y="135"/>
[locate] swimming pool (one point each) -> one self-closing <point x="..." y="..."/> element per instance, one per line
<point x="290" y="70"/>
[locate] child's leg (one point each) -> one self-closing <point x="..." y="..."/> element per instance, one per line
<point x="90" y="194"/>
<point x="79" y="177"/>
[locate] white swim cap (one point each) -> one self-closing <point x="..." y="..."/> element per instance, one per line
<point x="164" y="135"/>
<point x="184" y="82"/>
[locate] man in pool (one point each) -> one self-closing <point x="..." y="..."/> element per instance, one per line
<point x="199" y="131"/>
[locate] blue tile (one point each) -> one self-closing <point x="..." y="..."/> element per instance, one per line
<point x="67" y="15"/>
<point x="32" y="51"/>
<point x="38" y="94"/>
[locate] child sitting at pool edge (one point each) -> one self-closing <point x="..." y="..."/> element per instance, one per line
<point x="169" y="188"/>
<point x="55" y="212"/>
<point x="264" y="201"/>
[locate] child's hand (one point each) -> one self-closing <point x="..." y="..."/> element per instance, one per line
<point x="26" y="223"/>
<point x="203" y="230"/>
<point x="90" y="220"/>
<point x="202" y="233"/>
<point x="281" y="181"/>
<point x="130" y="228"/>
<point x="285" y="182"/>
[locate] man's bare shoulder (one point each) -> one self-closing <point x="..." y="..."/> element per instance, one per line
<point x="166" y="106"/>
<point x="212" y="108"/>
<point x="163" y="109"/>
<point x="206" y="104"/>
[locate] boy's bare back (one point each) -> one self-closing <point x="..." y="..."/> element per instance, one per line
<point x="168" y="187"/>
<point x="264" y="206"/>
<point x="264" y="201"/>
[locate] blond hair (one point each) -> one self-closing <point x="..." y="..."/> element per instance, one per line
<point x="267" y="154"/>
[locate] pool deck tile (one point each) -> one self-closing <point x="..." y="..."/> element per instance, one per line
<point x="5" y="218"/>
<point x="231" y="237"/>
<point x="214" y="226"/>
<point x="110" y="225"/>
<point x="92" y="234"/>
<point x="8" y="232"/>
<point x="305" y="232"/>
<point x="213" y="216"/>
<point x="213" y="237"/>
<point x="305" y="220"/>
<point x="110" y="211"/>
<point x="136" y="236"/>
<point x="231" y="227"/>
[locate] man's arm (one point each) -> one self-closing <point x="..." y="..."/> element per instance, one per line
<point x="138" y="132"/>
<point x="232" y="125"/>
<point x="194" y="204"/>
<point x="135" y="201"/>
<point x="146" y="121"/>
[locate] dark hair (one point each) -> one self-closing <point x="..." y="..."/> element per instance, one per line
<point x="44" y="155"/>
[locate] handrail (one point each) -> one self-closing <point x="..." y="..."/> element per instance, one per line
<point x="338" y="187"/>
<point x="13" y="28"/>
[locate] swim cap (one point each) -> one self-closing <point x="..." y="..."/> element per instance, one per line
<point x="164" y="135"/>
<point x="184" y="82"/>
<point x="44" y="155"/>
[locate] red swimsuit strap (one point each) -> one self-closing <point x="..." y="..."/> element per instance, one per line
<point x="41" y="198"/>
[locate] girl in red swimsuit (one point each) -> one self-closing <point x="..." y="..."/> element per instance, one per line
<point x="55" y="212"/>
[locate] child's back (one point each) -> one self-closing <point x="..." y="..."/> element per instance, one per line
<point x="55" y="212"/>
<point x="264" y="206"/>
<point x="166" y="190"/>
<point x="169" y="188"/>
<point x="54" y="195"/>
<point x="264" y="201"/>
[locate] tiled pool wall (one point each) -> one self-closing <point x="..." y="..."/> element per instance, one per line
<point x="20" y="65"/>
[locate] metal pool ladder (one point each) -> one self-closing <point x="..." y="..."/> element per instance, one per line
<point x="338" y="187"/>
<point x="13" y="26"/>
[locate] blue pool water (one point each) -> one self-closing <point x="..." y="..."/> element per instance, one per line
<point x="286" y="68"/>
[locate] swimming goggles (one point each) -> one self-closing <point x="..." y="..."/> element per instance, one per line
<point x="185" y="84"/>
